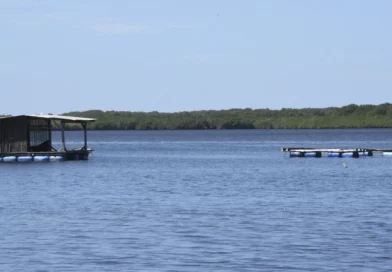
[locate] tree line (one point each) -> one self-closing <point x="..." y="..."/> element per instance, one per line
<point x="350" y="116"/>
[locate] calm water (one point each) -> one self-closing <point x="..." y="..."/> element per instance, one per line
<point x="201" y="201"/>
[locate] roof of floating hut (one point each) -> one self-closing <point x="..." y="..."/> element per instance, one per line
<point x="54" y="117"/>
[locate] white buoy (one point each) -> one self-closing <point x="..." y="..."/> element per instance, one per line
<point x="344" y="165"/>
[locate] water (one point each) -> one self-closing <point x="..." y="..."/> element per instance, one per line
<point x="201" y="201"/>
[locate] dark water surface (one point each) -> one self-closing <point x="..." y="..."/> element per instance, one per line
<point x="201" y="201"/>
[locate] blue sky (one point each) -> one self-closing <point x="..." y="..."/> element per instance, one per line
<point x="59" y="56"/>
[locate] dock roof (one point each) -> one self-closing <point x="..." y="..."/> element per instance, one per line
<point x="55" y="117"/>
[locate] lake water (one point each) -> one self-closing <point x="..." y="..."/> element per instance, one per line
<point x="201" y="201"/>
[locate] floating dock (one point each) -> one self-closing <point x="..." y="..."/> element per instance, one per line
<point x="299" y="152"/>
<point x="27" y="138"/>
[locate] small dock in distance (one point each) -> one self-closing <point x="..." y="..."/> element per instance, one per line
<point x="300" y="152"/>
<point x="28" y="138"/>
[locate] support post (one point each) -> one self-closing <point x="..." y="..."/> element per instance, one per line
<point x="28" y="134"/>
<point x="84" y="125"/>
<point x="50" y="133"/>
<point x="63" y="136"/>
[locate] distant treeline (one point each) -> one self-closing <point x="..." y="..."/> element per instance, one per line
<point x="350" y="116"/>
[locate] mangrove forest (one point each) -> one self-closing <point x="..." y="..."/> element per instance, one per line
<point x="350" y="116"/>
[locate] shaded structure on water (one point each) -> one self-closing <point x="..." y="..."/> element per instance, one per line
<point x="29" y="138"/>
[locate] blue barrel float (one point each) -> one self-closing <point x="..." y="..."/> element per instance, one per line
<point x="387" y="154"/>
<point x="56" y="158"/>
<point x="296" y="154"/>
<point x="41" y="158"/>
<point x="24" y="158"/>
<point x="365" y="154"/>
<point x="348" y="154"/>
<point x="312" y="154"/>
<point x="9" y="159"/>
<point x="354" y="154"/>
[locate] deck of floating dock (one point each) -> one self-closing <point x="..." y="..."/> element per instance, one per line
<point x="27" y="138"/>
<point x="335" y="152"/>
<point x="69" y="155"/>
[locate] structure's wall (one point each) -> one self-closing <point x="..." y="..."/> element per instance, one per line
<point x="39" y="135"/>
<point x="13" y="134"/>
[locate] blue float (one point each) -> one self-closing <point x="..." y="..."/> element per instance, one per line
<point x="9" y="159"/>
<point x="24" y="158"/>
<point x="347" y="155"/>
<point x="312" y="154"/>
<point x="41" y="158"/>
<point x="296" y="154"/>
<point x="333" y="155"/>
<point x="56" y="158"/>
<point x="387" y="154"/>
<point x="1" y="159"/>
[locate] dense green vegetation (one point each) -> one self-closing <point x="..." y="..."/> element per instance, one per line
<point x="350" y="116"/>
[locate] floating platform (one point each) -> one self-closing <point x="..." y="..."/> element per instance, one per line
<point x="300" y="152"/>
<point x="28" y="138"/>
<point x="70" y="155"/>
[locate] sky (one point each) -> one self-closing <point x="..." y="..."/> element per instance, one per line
<point x="176" y="55"/>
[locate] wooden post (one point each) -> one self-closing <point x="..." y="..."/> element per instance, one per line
<point x="50" y="133"/>
<point x="28" y="134"/>
<point x="84" y="125"/>
<point x="63" y="136"/>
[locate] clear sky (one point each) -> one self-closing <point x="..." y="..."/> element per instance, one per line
<point x="167" y="55"/>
